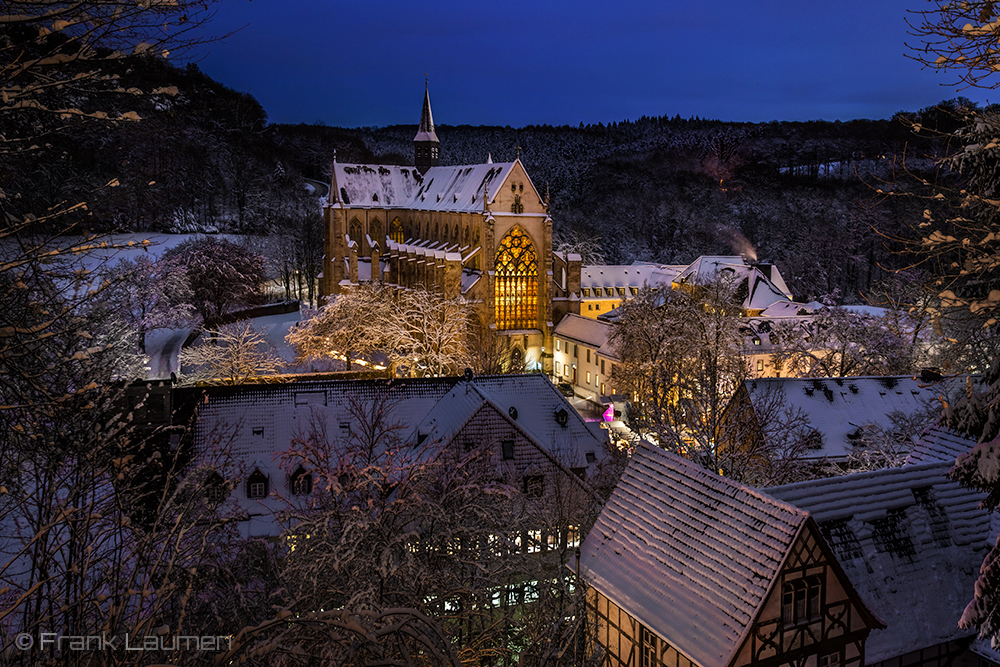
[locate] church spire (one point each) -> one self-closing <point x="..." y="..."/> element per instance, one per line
<point x="426" y="144"/>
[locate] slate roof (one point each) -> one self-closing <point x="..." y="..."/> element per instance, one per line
<point x="450" y="188"/>
<point x="837" y="407"/>
<point x="688" y="553"/>
<point x="586" y="330"/>
<point x="762" y="289"/>
<point x="939" y="444"/>
<point x="910" y="541"/>
<point x="626" y="275"/>
<point x="258" y="421"/>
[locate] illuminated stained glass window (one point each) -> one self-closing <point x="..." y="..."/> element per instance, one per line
<point x="396" y="231"/>
<point x="516" y="282"/>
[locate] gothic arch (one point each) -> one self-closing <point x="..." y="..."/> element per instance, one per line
<point x="375" y="232"/>
<point x="516" y="283"/>
<point x="354" y="231"/>
<point x="396" y="230"/>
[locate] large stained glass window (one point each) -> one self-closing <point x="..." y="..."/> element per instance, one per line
<point x="396" y="231"/>
<point x="516" y="282"/>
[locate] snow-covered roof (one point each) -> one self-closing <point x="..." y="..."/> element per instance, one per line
<point x="910" y="541"/>
<point x="939" y="444"/>
<point x="689" y="554"/>
<point x="787" y="309"/>
<point x="586" y="330"/>
<point x="627" y="275"/>
<point x="764" y="284"/>
<point x="837" y="407"/>
<point x="257" y="421"/>
<point x="452" y="188"/>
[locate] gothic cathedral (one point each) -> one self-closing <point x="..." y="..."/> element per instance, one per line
<point x="480" y="231"/>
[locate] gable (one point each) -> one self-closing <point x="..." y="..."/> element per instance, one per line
<point x="516" y="187"/>
<point x="689" y="554"/>
<point x="824" y="605"/>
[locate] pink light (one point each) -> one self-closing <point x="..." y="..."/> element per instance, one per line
<point x="609" y="414"/>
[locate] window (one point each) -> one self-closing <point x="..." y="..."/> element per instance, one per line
<point x="602" y="366"/>
<point x="576" y="350"/>
<point x="558" y="343"/>
<point x="603" y="393"/>
<point x="258" y="431"/>
<point x="597" y="307"/>
<point x="534" y="486"/>
<point x="586" y="291"/>
<point x="572" y="536"/>
<point x="648" y="648"/>
<point x="590" y="306"/>
<point x="588" y="356"/>
<point x="300" y="482"/>
<point x="830" y="660"/>
<point x="557" y="368"/>
<point x="257" y="485"/>
<point x="534" y="541"/>
<point x="507" y="449"/>
<point x="588" y="377"/>
<point x="355" y="231"/>
<point x="516" y="286"/>
<point x="396" y="230"/>
<point x="760" y="364"/>
<point x="215" y="488"/>
<point x="800" y="599"/>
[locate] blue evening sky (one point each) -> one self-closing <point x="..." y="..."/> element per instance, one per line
<point x="525" y="62"/>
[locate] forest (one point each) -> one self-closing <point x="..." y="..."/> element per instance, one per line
<point x="813" y="197"/>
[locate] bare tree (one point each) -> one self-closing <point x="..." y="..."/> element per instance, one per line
<point x="232" y="355"/>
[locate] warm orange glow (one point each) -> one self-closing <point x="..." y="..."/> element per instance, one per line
<point x="396" y="231"/>
<point x="516" y="290"/>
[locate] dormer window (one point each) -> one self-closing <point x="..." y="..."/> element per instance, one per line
<point x="300" y="482"/>
<point x="800" y="599"/>
<point x="257" y="485"/>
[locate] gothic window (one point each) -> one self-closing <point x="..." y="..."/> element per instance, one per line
<point x="516" y="288"/>
<point x="466" y="235"/>
<point x="649" y="648"/>
<point x="375" y="231"/>
<point x="454" y="236"/>
<point x="517" y="206"/>
<point x="396" y="231"/>
<point x="355" y="231"/>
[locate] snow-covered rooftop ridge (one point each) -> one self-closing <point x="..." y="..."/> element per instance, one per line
<point x="586" y="330"/>
<point x="837" y="407"/>
<point x="911" y="542"/>
<point x="450" y="188"/>
<point x="688" y="553"/>
<point x="627" y="275"/>
<point x="938" y="443"/>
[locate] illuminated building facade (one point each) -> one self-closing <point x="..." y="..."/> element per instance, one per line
<point x="480" y="231"/>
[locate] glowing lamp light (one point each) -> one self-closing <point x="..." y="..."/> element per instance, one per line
<point x="609" y="414"/>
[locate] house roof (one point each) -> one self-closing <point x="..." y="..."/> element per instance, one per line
<point x="764" y="282"/>
<point x="627" y="275"/>
<point x="938" y="443"/>
<point x="837" y="407"/>
<point x="911" y="542"/>
<point x="258" y="421"/>
<point x="450" y="188"/>
<point x="688" y="553"/>
<point x="586" y="330"/>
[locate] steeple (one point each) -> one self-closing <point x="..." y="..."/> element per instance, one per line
<point x="426" y="144"/>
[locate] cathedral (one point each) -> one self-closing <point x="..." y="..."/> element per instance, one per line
<point x="481" y="231"/>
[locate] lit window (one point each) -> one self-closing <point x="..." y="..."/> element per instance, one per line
<point x="572" y="536"/>
<point x="588" y="377"/>
<point x="586" y="291"/>
<point x="558" y="343"/>
<point x="396" y="231"/>
<point x="534" y="541"/>
<point x="516" y="290"/>
<point x="557" y="368"/>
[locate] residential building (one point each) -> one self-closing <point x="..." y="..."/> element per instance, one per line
<point x="584" y="358"/>
<point x="836" y="410"/>
<point x="911" y="541"/>
<point x="685" y="568"/>
<point x="533" y="437"/>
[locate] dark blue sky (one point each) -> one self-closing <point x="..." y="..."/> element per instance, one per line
<point x="560" y="62"/>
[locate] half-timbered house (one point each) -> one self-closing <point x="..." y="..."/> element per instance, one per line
<point x="687" y="568"/>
